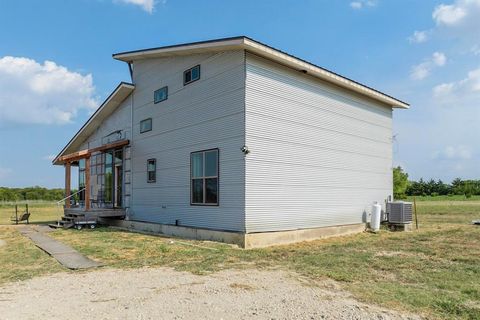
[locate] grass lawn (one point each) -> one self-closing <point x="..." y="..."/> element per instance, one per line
<point x="434" y="271"/>
<point x="41" y="211"/>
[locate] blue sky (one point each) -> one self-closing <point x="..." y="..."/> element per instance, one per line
<point x="56" y="67"/>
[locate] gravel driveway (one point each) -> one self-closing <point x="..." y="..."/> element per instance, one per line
<point x="161" y="293"/>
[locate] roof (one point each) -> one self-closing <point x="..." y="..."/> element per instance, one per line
<point x="263" y="50"/>
<point x="121" y="92"/>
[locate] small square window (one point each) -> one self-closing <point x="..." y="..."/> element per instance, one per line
<point x="151" y="170"/>
<point x="146" y="125"/>
<point x="191" y="75"/>
<point x="160" y="95"/>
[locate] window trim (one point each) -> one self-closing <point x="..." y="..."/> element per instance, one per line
<point x="166" y="95"/>
<point x="151" y="125"/>
<point x="155" y="171"/>
<point x="199" y="74"/>
<point x="203" y="178"/>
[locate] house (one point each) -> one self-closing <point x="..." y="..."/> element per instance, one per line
<point x="233" y="140"/>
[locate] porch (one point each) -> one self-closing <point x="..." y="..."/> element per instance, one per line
<point x="100" y="183"/>
<point x="72" y="216"/>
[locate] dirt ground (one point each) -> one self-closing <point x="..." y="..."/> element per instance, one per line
<point x="161" y="293"/>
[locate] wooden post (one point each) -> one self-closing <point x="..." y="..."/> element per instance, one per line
<point x="16" y="214"/>
<point x="67" y="183"/>
<point x="87" y="184"/>
<point x="415" y="209"/>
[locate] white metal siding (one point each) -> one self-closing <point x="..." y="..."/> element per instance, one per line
<point x="205" y="114"/>
<point x="118" y="120"/>
<point x="319" y="155"/>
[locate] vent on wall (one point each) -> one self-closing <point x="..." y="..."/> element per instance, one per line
<point x="400" y="212"/>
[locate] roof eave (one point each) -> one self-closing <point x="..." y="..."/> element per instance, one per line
<point x="248" y="44"/>
<point x="211" y="45"/>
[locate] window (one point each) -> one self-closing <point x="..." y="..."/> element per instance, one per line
<point x="146" y="125"/>
<point x="204" y="177"/>
<point x="191" y="75"/>
<point x="151" y="170"/>
<point x="81" y="180"/>
<point x="160" y="95"/>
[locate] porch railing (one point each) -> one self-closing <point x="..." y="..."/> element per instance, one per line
<point x="70" y="196"/>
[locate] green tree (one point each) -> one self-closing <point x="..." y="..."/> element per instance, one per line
<point x="400" y="182"/>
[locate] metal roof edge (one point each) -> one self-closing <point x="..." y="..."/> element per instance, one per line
<point x="100" y="108"/>
<point x="273" y="54"/>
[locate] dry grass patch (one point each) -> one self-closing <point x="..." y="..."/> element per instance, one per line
<point x="20" y="259"/>
<point x="41" y="212"/>
<point x="433" y="271"/>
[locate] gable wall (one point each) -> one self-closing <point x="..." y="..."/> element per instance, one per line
<point x="118" y="120"/>
<point x="319" y="155"/>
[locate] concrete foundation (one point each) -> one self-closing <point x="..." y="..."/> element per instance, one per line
<point x="266" y="239"/>
<point x="243" y="240"/>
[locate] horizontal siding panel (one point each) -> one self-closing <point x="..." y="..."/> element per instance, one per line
<point x="298" y="134"/>
<point x="195" y="216"/>
<point x="178" y="196"/>
<point x="180" y="176"/>
<point x="218" y="86"/>
<point x="281" y="174"/>
<point x="154" y="74"/>
<point x="271" y="78"/>
<point x="206" y="114"/>
<point x="314" y="116"/>
<point x="275" y="151"/>
<point x="319" y="155"/>
<point x="178" y="115"/>
<point x="194" y="136"/>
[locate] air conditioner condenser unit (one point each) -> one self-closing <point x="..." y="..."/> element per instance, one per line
<point x="400" y="212"/>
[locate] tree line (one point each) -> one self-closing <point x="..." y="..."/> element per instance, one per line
<point x="403" y="187"/>
<point x="31" y="193"/>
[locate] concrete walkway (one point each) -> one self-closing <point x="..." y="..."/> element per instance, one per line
<point x="64" y="254"/>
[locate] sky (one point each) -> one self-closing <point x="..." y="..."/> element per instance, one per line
<point x="56" y="67"/>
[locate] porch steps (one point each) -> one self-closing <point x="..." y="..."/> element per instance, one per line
<point x="73" y="216"/>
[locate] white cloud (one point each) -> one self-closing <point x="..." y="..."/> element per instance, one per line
<point x="467" y="89"/>
<point x="439" y="58"/>
<point x="357" y="5"/>
<point x="448" y="116"/>
<point x="31" y="92"/>
<point x="418" y="37"/>
<point x="449" y="14"/>
<point x="422" y="70"/>
<point x="443" y="89"/>
<point x="147" y="5"/>
<point x="461" y="18"/>
<point x="460" y="152"/>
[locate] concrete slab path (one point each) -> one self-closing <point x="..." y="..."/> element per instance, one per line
<point x="64" y="254"/>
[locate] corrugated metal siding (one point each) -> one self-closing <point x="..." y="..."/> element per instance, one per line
<point x="319" y="155"/>
<point x="206" y="114"/>
<point x="118" y="120"/>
